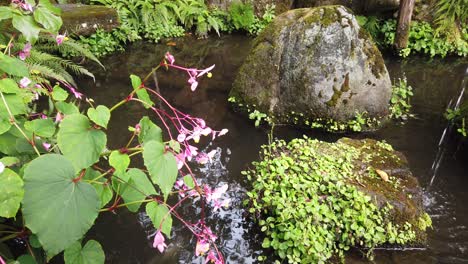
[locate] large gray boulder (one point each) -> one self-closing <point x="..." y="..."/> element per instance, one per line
<point x="360" y="7"/>
<point x="315" y="62"/>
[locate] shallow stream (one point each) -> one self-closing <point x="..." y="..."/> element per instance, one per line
<point x="126" y="237"/>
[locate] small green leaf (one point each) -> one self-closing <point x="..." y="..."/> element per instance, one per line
<point x="47" y="19"/>
<point x="149" y="131"/>
<point x="41" y="127"/>
<point x="59" y="94"/>
<point x="11" y="193"/>
<point x="9" y="161"/>
<point x="100" y="115"/>
<point x="162" y="166"/>
<point x="91" y="253"/>
<point x="26" y="259"/>
<point x="80" y="142"/>
<point x="159" y="213"/>
<point x="9" y="86"/>
<point x="188" y="180"/>
<point x="175" y="145"/>
<point x="102" y="186"/>
<point x="134" y="186"/>
<point x="58" y="209"/>
<point x="27" y="26"/>
<point x="141" y="92"/>
<point x="13" y="66"/>
<point x="119" y="162"/>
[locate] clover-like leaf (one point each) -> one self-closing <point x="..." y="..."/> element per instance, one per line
<point x="57" y="207"/>
<point x="100" y="115"/>
<point x="162" y="166"/>
<point x="79" y="141"/>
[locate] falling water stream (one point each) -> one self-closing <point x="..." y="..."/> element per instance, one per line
<point x="126" y="237"/>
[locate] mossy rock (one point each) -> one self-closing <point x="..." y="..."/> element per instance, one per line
<point x="365" y="7"/>
<point x="315" y="200"/>
<point x="317" y="62"/>
<point x="85" y="19"/>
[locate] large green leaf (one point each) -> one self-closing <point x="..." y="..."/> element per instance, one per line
<point x="91" y="253"/>
<point x="8" y="85"/>
<point x="27" y="26"/>
<point x="47" y="19"/>
<point x="135" y="187"/>
<point x="15" y="104"/>
<point x="41" y="127"/>
<point x="5" y="124"/>
<point x="67" y="108"/>
<point x="56" y="207"/>
<point x="99" y="115"/>
<point x="13" y="66"/>
<point x="52" y="8"/>
<point x="162" y="166"/>
<point x="119" y="162"/>
<point x="79" y="141"/>
<point x="11" y="193"/>
<point x="159" y="213"/>
<point x="141" y="92"/>
<point x="5" y="12"/>
<point x="149" y="131"/>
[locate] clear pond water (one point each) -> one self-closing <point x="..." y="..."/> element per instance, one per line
<point x="126" y="237"/>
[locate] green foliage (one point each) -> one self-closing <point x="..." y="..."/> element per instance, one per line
<point x="458" y="117"/>
<point x="242" y="15"/>
<point x="400" y="104"/>
<point x="306" y="199"/>
<point x="423" y="38"/>
<point x="451" y="16"/>
<point x="89" y="254"/>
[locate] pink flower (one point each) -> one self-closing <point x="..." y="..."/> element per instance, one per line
<point x="211" y="257"/>
<point x="159" y="242"/>
<point x="217" y="204"/>
<point x="46" y="146"/>
<point x="203" y="72"/>
<point x="180" y="158"/>
<point x="201" y="122"/>
<point x="193" y="83"/>
<point x="60" y="38"/>
<point x="190" y="152"/>
<point x="181" y="137"/>
<point x="206" y="131"/>
<point x="75" y="93"/>
<point x="202" y="247"/>
<point x="169" y="58"/>
<point x="26" y="52"/>
<point x="223" y="132"/>
<point x="216" y="194"/>
<point x="23" y="4"/>
<point x="24" y="82"/>
<point x="137" y="129"/>
<point x="58" y="117"/>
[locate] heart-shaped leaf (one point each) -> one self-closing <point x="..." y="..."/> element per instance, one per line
<point x="141" y="92"/>
<point x="47" y="19"/>
<point x="79" y="141"/>
<point x="56" y="207"/>
<point x="119" y="162"/>
<point x="99" y="115"/>
<point x="59" y="94"/>
<point x="27" y="26"/>
<point x="91" y="253"/>
<point x="159" y="213"/>
<point x="11" y="193"/>
<point x="162" y="166"/>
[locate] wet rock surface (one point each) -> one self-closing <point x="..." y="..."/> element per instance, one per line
<point x="317" y="62"/>
<point x="85" y="19"/>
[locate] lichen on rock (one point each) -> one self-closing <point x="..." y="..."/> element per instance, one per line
<point x="317" y="62"/>
<point x="315" y="200"/>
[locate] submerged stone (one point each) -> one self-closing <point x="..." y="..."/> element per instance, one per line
<point x="316" y="62"/>
<point x="315" y="200"/>
<point x="85" y="19"/>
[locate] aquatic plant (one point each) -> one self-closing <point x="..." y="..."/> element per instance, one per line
<point x="400" y="104"/>
<point x="57" y="174"/>
<point x="307" y="197"/>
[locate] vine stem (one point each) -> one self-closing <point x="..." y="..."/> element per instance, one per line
<point x="13" y="121"/>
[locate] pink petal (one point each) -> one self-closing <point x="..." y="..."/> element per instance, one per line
<point x="202" y="247"/>
<point x="181" y="137"/>
<point x="194" y="85"/>
<point x="223" y="132"/>
<point x="203" y="72"/>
